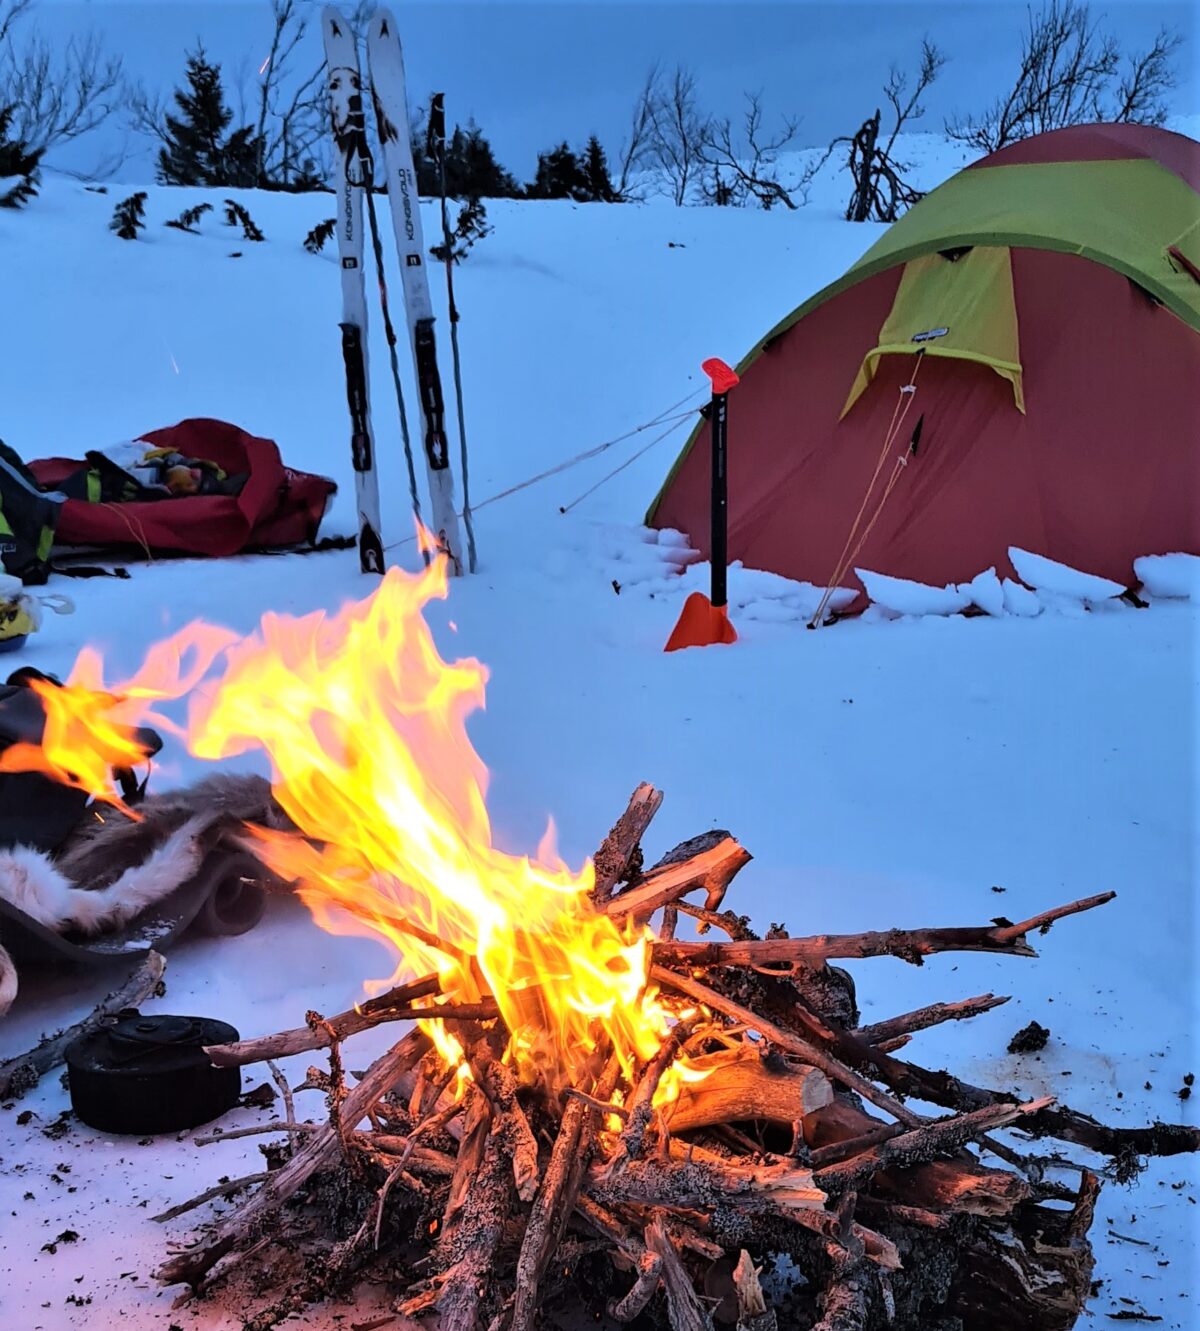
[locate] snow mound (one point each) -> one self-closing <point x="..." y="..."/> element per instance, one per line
<point x="913" y="598"/>
<point x="985" y="591"/>
<point x="1020" y="600"/>
<point x="1047" y="575"/>
<point x="1170" y="575"/>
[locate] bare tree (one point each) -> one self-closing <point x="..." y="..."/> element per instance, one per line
<point x="291" y="106"/>
<point x="1070" y="73"/>
<point x="636" y="147"/>
<point x="881" y="191"/>
<point x="677" y="130"/>
<point x="747" y="171"/>
<point x="57" y="94"/>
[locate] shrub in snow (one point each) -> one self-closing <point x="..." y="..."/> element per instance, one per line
<point x="314" y="242"/>
<point x="1169" y="575"/>
<point x="1047" y="575"/>
<point x="236" y="215"/>
<point x="186" y="221"/>
<point x="912" y="598"/>
<point x="127" y="219"/>
<point x="472" y="225"/>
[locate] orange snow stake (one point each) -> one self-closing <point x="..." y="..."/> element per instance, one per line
<point x="705" y="619"/>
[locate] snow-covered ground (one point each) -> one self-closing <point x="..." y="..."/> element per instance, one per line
<point x="910" y="771"/>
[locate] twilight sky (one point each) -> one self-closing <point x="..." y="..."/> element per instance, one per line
<point x="535" y="73"/>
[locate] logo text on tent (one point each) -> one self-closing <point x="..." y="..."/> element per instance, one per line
<point x="929" y="334"/>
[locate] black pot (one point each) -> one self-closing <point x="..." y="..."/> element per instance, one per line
<point x="142" y="1075"/>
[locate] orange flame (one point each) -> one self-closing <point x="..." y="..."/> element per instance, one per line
<point x="90" y="729"/>
<point x="364" y="724"/>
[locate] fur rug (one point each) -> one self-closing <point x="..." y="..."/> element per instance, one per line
<point x="112" y="869"/>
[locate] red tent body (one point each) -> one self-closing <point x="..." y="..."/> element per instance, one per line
<point x="276" y="506"/>
<point x="1103" y="465"/>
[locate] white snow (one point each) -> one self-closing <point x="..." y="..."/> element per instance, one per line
<point x="1060" y="580"/>
<point x="1175" y="575"/>
<point x="880" y="777"/>
<point x="903" y="597"/>
<point x="985" y="592"/>
<point x="1020" y="600"/>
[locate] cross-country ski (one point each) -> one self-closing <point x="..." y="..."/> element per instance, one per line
<point x="389" y="93"/>
<point x="353" y="176"/>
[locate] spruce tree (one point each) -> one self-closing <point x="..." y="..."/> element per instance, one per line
<point x="16" y="161"/>
<point x="482" y="175"/>
<point x="595" y="171"/>
<point x="196" y="151"/>
<point x="559" y="176"/>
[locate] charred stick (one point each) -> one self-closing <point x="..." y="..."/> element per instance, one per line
<point x="684" y="1309"/>
<point x="510" y="1125"/>
<point x="912" y="1148"/>
<point x="645" y="1286"/>
<point x="786" y="1040"/>
<point x="1062" y="1122"/>
<point x="880" y="1032"/>
<point x="220" y="1190"/>
<point x="418" y="1159"/>
<point x="482" y="1195"/>
<point x="641" y="1104"/>
<point x="319" y="1151"/>
<point x="836" y="1152"/>
<point x="707" y="1180"/>
<point x="912" y="945"/>
<point x="598" y="1105"/>
<point x="21" y="1074"/>
<point x="556" y="1198"/>
<point x="613" y="860"/>
<point x="289" y="1126"/>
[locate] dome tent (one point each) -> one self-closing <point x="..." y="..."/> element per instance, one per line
<point x="1045" y="304"/>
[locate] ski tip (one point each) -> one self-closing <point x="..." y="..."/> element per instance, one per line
<point x="723" y="378"/>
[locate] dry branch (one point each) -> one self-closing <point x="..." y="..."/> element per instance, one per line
<point x="374" y="1012"/>
<point x="909" y="944"/>
<point x="880" y="1032"/>
<point x="613" y="860"/>
<point x="712" y="869"/>
<point x="914" y="1148"/>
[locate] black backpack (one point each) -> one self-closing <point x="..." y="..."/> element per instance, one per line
<point x="28" y="517"/>
<point x="34" y="809"/>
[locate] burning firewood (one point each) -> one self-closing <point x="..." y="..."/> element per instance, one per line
<point x="486" y="1174"/>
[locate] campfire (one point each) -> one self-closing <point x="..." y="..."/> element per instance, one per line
<point x="589" y="1114"/>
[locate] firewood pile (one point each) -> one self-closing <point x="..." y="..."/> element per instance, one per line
<point x="787" y="1181"/>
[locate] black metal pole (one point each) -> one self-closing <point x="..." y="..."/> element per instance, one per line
<point x="717" y="419"/>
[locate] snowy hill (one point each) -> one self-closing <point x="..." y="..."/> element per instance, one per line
<point x="882" y="773"/>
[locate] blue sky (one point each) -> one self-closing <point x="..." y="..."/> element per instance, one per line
<point x="534" y="73"/>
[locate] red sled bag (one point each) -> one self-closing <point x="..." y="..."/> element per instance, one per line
<point x="275" y="506"/>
